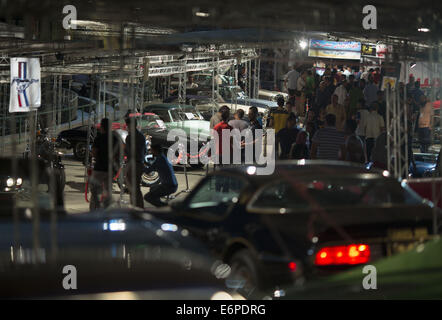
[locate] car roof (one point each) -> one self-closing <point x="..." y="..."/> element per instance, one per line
<point x="304" y="168"/>
<point x="168" y="106"/>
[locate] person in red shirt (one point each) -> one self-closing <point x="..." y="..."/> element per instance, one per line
<point x="376" y="76"/>
<point x="223" y="125"/>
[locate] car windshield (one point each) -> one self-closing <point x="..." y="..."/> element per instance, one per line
<point x="229" y="93"/>
<point x="183" y="114"/>
<point x="331" y="192"/>
<point x="216" y="193"/>
<point x="425" y="157"/>
<point x="152" y="122"/>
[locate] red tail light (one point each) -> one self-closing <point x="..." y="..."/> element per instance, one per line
<point x="343" y="255"/>
<point x="292" y="266"/>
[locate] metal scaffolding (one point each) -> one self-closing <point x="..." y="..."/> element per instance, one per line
<point x="397" y="134"/>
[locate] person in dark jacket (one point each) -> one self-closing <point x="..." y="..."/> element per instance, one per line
<point x="135" y="151"/>
<point x="100" y="182"/>
<point x="168" y="183"/>
<point x="300" y="149"/>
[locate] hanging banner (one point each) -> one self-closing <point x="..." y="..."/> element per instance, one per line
<point x="335" y="45"/>
<point x="335" y="49"/>
<point x="25" y="84"/>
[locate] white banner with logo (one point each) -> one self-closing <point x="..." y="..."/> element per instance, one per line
<point x="25" y="92"/>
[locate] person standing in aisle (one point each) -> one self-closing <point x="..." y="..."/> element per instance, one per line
<point x="286" y="137"/>
<point x="135" y="151"/>
<point x="370" y="92"/>
<point x="291" y="81"/>
<point x="328" y="143"/>
<point x="374" y="126"/>
<point x="222" y="130"/>
<point x="99" y="180"/>
<point x="339" y="111"/>
<point x="425" y="123"/>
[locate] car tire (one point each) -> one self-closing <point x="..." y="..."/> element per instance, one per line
<point x="149" y="179"/>
<point x="244" y="272"/>
<point x="80" y="150"/>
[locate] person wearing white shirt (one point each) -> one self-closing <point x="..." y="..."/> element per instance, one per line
<point x="291" y="81"/>
<point x="341" y="92"/>
<point x="361" y="119"/>
<point x="374" y="126"/>
<point x="365" y="74"/>
<point x="347" y="71"/>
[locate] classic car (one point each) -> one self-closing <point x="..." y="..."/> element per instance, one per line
<point x="149" y="124"/>
<point x="307" y="220"/>
<point x="182" y="116"/>
<point x="234" y="94"/>
<point x="271" y="95"/>
<point x="207" y="107"/>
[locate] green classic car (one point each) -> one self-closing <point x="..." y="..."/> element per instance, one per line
<point x="414" y="274"/>
<point x="181" y="116"/>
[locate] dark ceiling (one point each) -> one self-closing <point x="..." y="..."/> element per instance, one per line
<point x="399" y="18"/>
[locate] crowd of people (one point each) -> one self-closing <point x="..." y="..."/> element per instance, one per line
<point x="342" y="116"/>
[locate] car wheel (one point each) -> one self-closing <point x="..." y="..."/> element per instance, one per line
<point x="149" y="179"/>
<point x="80" y="150"/>
<point x="244" y="273"/>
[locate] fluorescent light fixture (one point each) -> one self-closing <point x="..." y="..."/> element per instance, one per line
<point x="412" y="65"/>
<point x="202" y="14"/>
<point x="423" y="30"/>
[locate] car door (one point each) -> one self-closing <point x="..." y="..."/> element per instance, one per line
<point x="206" y="211"/>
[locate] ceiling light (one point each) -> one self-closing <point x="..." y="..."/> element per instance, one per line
<point x="423" y="30"/>
<point x="202" y="14"/>
<point x="303" y="44"/>
<point x="412" y="65"/>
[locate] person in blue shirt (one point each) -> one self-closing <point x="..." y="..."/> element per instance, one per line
<point x="168" y="183"/>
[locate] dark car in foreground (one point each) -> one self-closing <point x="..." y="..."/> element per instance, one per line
<point x="117" y="254"/>
<point x="307" y="219"/>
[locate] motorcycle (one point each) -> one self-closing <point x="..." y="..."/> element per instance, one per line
<point x="47" y="150"/>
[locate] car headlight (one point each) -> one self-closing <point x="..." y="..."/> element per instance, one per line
<point x="10" y="182"/>
<point x="19" y="181"/>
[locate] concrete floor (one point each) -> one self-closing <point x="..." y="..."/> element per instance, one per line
<point x="75" y="201"/>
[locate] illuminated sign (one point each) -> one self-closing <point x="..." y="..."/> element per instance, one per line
<point x="335" y="49"/>
<point x="368" y="50"/>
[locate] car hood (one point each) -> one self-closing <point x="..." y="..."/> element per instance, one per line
<point x="202" y="127"/>
<point x="259" y="102"/>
